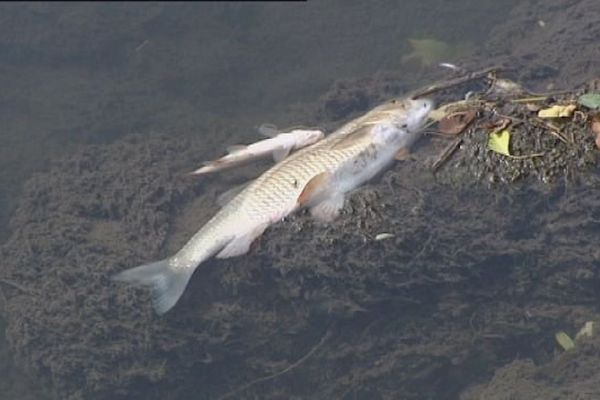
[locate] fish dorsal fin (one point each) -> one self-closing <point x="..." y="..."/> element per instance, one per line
<point x="315" y="187"/>
<point x="281" y="153"/>
<point x="352" y="138"/>
<point x="236" y="148"/>
<point x="229" y="194"/>
<point x="268" y="130"/>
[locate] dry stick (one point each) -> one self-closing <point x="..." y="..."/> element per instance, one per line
<point x="283" y="371"/>
<point x="446" y="153"/>
<point x="436" y="87"/>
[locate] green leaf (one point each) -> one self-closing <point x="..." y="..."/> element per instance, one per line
<point x="590" y="100"/>
<point x="498" y="142"/>
<point x="564" y="340"/>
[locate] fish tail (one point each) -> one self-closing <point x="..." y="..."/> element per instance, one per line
<point x="166" y="282"/>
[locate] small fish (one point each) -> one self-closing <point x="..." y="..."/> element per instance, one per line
<point x="317" y="177"/>
<point x="278" y="145"/>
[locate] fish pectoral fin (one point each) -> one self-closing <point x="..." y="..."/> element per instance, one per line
<point x="402" y="154"/>
<point x="329" y="209"/>
<point x="316" y="187"/>
<point x="281" y="153"/>
<point x="241" y="244"/>
<point x="268" y="130"/>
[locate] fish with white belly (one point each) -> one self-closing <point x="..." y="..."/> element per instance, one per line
<point x="279" y="145"/>
<point x="316" y="177"/>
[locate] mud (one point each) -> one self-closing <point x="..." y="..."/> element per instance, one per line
<point x="471" y="279"/>
<point x="462" y="301"/>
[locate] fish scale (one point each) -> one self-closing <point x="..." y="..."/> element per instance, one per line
<point x="317" y="177"/>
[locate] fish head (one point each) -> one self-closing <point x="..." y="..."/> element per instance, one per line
<point x="408" y="114"/>
<point x="418" y="111"/>
<point x="305" y="137"/>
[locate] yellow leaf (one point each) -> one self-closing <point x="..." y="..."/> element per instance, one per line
<point x="564" y="340"/>
<point x="557" y="111"/>
<point x="498" y="142"/>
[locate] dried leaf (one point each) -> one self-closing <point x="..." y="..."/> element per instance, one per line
<point x="590" y="100"/>
<point x="456" y="123"/>
<point x="564" y="340"/>
<point x="596" y="130"/>
<point x="499" y="142"/>
<point x="557" y="111"/>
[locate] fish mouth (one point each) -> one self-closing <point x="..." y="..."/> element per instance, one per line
<point x="419" y="110"/>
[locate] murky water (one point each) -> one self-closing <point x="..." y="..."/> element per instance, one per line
<point x="77" y="74"/>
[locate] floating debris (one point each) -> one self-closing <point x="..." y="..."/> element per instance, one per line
<point x="564" y="340"/>
<point x="383" y="236"/>
<point x="586" y="331"/>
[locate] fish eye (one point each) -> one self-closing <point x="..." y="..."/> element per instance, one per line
<point x="394" y="101"/>
<point x="404" y="126"/>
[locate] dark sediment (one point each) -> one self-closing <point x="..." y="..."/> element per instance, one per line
<point x="472" y="279"/>
<point x="470" y="289"/>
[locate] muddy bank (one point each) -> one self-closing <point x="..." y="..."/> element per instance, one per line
<point x="463" y="299"/>
<point x="471" y="280"/>
<point x="14" y="384"/>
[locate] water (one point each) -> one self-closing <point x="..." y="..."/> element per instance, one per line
<point x="81" y="74"/>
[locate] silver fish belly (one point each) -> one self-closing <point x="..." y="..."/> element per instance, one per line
<point x="316" y="177"/>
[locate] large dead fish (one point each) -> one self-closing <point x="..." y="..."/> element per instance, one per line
<point x="317" y="177"/>
<point x="278" y="145"/>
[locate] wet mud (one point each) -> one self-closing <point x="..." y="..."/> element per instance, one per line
<point x="461" y="300"/>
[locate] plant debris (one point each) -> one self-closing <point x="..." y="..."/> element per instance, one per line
<point x="590" y="100"/>
<point x="499" y="142"/>
<point x="456" y="123"/>
<point x="564" y="340"/>
<point x="547" y="137"/>
<point x="557" y="111"/>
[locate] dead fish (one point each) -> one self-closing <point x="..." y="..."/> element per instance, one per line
<point x="279" y="145"/>
<point x="317" y="177"/>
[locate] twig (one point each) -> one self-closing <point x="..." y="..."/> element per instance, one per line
<point x="553" y="129"/>
<point x="446" y="153"/>
<point x="436" y="87"/>
<point x="279" y="373"/>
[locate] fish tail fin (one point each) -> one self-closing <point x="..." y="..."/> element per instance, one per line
<point x="167" y="283"/>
